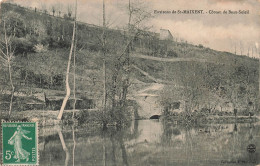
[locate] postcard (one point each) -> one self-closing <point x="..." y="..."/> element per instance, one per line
<point x="130" y="82"/>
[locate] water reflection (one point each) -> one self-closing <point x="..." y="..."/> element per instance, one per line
<point x="150" y="142"/>
<point x="64" y="147"/>
<point x="74" y="145"/>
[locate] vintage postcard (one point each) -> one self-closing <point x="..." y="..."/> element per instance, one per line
<point x="130" y="82"/>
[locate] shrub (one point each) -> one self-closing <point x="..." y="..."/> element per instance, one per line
<point x="200" y="46"/>
<point x="40" y="48"/>
<point x="23" y="45"/>
<point x="82" y="116"/>
<point x="220" y="113"/>
<point x="245" y="112"/>
<point x="172" y="53"/>
<point x="95" y="47"/>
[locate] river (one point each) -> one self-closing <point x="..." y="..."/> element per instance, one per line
<point x="150" y="143"/>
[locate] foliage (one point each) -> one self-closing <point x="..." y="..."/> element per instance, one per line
<point x="172" y="53"/>
<point x="40" y="48"/>
<point x="23" y="45"/>
<point x="225" y="77"/>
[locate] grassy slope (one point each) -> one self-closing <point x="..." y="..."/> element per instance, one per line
<point x="89" y="64"/>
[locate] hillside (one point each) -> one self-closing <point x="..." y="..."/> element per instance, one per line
<point x="198" y="75"/>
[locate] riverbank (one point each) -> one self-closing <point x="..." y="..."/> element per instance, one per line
<point x="210" y="119"/>
<point x="88" y="117"/>
<point x="94" y="117"/>
<point x="232" y="119"/>
<point x="44" y="118"/>
<point x="49" y="118"/>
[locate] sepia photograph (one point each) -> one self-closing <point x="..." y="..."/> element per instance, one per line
<point x="130" y="82"/>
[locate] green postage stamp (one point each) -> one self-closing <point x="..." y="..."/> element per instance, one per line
<point x="19" y="143"/>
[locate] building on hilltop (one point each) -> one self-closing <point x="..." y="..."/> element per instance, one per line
<point x="165" y="34"/>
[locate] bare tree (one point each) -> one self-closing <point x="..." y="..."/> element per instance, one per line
<point x="74" y="73"/>
<point x="104" y="54"/>
<point x="137" y="15"/>
<point x="258" y="56"/>
<point x="68" y="68"/>
<point x="59" y="8"/>
<point x="7" y="55"/>
<point x="44" y="8"/>
<point x="252" y="51"/>
<point x="241" y="48"/>
<point x="69" y="11"/>
<point x="53" y="8"/>
<point x="235" y="49"/>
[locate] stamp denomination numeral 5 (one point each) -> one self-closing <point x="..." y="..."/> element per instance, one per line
<point x="8" y="154"/>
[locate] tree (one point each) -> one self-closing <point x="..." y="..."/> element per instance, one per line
<point x="74" y="73"/>
<point x="70" y="11"/>
<point x="59" y="8"/>
<point x="104" y="61"/>
<point x="241" y="48"/>
<point x="104" y="53"/>
<point x="7" y="56"/>
<point x="120" y="72"/>
<point x="43" y="7"/>
<point x="68" y="68"/>
<point x="137" y="15"/>
<point x="53" y="10"/>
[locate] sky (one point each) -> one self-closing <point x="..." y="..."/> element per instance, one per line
<point x="223" y="32"/>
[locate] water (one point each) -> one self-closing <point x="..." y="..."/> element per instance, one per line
<point x="150" y="142"/>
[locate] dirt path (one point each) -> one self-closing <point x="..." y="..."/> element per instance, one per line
<point x="172" y="59"/>
<point x="149" y="76"/>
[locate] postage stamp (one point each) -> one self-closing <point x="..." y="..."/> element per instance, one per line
<point x="20" y="143"/>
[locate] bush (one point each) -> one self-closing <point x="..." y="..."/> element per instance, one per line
<point x="23" y="45"/>
<point x="67" y="118"/>
<point x="200" y="46"/>
<point x="40" y="48"/>
<point x="82" y="116"/>
<point x="205" y="111"/>
<point x="220" y="113"/>
<point x="245" y="112"/>
<point x="172" y="53"/>
<point x="95" y="47"/>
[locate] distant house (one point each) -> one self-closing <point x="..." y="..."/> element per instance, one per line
<point x="165" y="34"/>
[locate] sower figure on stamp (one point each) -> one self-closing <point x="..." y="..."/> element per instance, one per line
<point x="16" y="140"/>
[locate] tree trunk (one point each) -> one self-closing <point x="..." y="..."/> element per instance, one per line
<point x="126" y="81"/>
<point x="68" y="70"/>
<point x="104" y="57"/>
<point x="12" y="88"/>
<point x="8" y="56"/>
<point x="114" y="80"/>
<point x="258" y="104"/>
<point x="51" y="79"/>
<point x="74" y="77"/>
